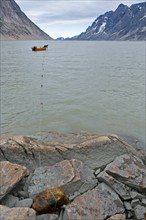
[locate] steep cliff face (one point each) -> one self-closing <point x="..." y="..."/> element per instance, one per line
<point x="125" y="23"/>
<point x="14" y="24"/>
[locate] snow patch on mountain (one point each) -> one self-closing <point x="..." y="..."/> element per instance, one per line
<point x="125" y="23"/>
<point x="102" y="27"/>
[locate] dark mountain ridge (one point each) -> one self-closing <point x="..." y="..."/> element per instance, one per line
<point x="15" y="25"/>
<point x="125" y="23"/>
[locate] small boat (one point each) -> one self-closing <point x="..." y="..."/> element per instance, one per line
<point x="40" y="48"/>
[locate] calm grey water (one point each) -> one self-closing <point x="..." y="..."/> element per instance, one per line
<point x="74" y="86"/>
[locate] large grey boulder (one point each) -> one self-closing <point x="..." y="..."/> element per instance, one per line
<point x="27" y="152"/>
<point x="130" y="170"/>
<point x="139" y="211"/>
<point x="98" y="151"/>
<point x="118" y="187"/>
<point x="98" y="203"/>
<point x="71" y="175"/>
<point x="93" y="150"/>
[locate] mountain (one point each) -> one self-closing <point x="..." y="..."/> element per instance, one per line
<point x="60" y="38"/>
<point x="15" y="25"/>
<point x="125" y="23"/>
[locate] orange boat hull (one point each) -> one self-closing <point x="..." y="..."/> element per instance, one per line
<point x="39" y="49"/>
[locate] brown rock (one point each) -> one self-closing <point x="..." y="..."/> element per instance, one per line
<point x="49" y="201"/>
<point x="145" y="216"/>
<point x="11" y="174"/>
<point x="17" y="213"/>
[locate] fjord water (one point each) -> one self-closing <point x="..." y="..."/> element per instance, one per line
<point x="75" y="86"/>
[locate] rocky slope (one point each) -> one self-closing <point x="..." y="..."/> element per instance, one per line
<point x="72" y="177"/>
<point x="15" y="25"/>
<point x="125" y="23"/>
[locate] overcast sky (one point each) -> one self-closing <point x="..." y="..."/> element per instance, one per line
<point x="67" y="18"/>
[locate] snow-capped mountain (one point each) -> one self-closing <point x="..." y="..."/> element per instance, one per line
<point x="125" y="23"/>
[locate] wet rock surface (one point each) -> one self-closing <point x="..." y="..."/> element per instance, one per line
<point x="93" y="170"/>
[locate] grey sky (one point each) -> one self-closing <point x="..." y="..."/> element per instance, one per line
<point x="67" y="18"/>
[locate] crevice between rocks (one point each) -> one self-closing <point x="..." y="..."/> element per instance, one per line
<point x="33" y="155"/>
<point x="124" y="181"/>
<point x="119" y="139"/>
<point x="4" y="155"/>
<point x="59" y="152"/>
<point x="21" y="145"/>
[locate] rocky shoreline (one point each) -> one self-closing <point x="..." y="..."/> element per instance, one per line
<point x="72" y="177"/>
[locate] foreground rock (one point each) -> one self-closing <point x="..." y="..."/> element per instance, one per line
<point x="27" y="152"/>
<point x="98" y="203"/>
<point x="99" y="178"/>
<point x="71" y="175"/>
<point x="130" y="170"/>
<point x="118" y="217"/>
<point x="17" y="213"/>
<point x="117" y="186"/>
<point x="47" y="217"/>
<point x="10" y="175"/>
